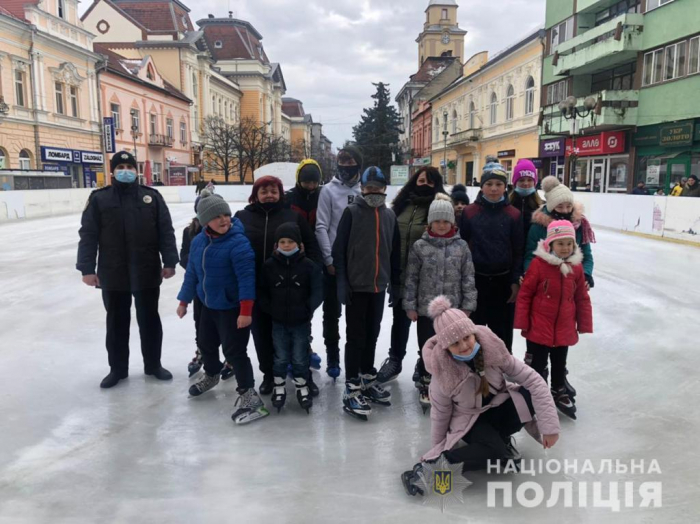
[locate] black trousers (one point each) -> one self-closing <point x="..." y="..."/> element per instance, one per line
<point x="118" y="306"/>
<point x="488" y="436"/>
<point x="218" y="328"/>
<point x="363" y="317"/>
<point x="262" y="337"/>
<point x="425" y="332"/>
<point x="492" y="307"/>
<point x="400" y="329"/>
<point x="197" y="313"/>
<point x="332" y="310"/>
<point x="540" y="355"/>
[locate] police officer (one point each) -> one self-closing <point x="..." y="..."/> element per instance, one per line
<point x="129" y="224"/>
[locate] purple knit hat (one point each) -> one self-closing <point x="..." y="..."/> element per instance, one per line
<point x="451" y="325"/>
<point x="524" y="168"/>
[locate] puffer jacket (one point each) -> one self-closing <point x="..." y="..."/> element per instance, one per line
<point x="553" y="305"/>
<point x="412" y="222"/>
<point x="439" y="266"/>
<point x="538" y="231"/>
<point x="457" y="403"/>
<point x="221" y="270"/>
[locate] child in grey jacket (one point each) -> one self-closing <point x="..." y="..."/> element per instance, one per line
<point x="440" y="263"/>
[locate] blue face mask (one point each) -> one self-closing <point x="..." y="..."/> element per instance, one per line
<point x="525" y="192"/>
<point x="467" y="358"/>
<point x="125" y="176"/>
<point x="289" y="253"/>
<point x="494" y="201"/>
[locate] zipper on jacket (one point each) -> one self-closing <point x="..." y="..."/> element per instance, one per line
<point x="376" y="252"/>
<point x="267" y="217"/>
<point x="408" y="236"/>
<point x="204" y="271"/>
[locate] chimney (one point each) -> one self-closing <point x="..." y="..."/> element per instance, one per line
<point x="211" y="16"/>
<point x="230" y="14"/>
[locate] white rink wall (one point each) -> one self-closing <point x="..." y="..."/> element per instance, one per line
<point x="670" y="217"/>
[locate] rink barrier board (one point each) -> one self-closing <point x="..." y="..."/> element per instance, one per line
<point x="674" y="218"/>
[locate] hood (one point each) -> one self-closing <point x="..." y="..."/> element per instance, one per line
<point x="450" y="373"/>
<point x="564" y="265"/>
<point x="544" y="218"/>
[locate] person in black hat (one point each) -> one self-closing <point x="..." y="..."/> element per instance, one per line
<point x="303" y="197"/>
<point x="460" y="200"/>
<point x="129" y="226"/>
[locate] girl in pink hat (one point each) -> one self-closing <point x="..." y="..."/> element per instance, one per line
<point x="524" y="196"/>
<point x="553" y="307"/>
<point x="472" y="400"/>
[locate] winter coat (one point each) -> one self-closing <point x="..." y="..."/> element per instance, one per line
<point x="260" y="226"/>
<point x="456" y="401"/>
<point x="412" y="222"/>
<point x="527" y="206"/>
<point x="188" y="234"/>
<point x="639" y="191"/>
<point x="693" y="191"/>
<point x="538" y="231"/>
<point x="302" y="200"/>
<point x="553" y="305"/>
<point x="290" y="288"/>
<point x="130" y="226"/>
<point x="494" y="233"/>
<point x="366" y="250"/>
<point x="221" y="270"/>
<point x="334" y="198"/>
<point x="439" y="266"/>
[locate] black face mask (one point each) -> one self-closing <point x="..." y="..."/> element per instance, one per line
<point x="347" y="173"/>
<point x="424" y="190"/>
<point x="269" y="206"/>
<point x="562" y="216"/>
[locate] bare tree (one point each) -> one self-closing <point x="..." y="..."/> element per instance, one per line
<point x="222" y="142"/>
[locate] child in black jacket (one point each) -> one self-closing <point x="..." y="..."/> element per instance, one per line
<point x="291" y="288"/>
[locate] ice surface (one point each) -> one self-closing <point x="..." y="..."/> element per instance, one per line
<point x="144" y="452"/>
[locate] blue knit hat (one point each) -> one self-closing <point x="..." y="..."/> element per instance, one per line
<point x="493" y="170"/>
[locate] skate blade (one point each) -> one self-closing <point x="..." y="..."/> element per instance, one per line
<point x="387" y="381"/>
<point x="252" y="416"/>
<point x="380" y="402"/>
<point x="425" y="408"/>
<point x="409" y="488"/>
<point x="358" y="416"/>
<point x="572" y="416"/>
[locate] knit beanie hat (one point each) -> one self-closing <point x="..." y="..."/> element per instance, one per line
<point x="451" y="325"/>
<point x="288" y="230"/>
<point x="524" y="168"/>
<point x="309" y="171"/>
<point x="558" y="230"/>
<point x="441" y="209"/>
<point x="354" y="152"/>
<point x="493" y="170"/>
<point x="211" y="206"/>
<point x="459" y="194"/>
<point x="556" y="193"/>
<point x="122" y="157"/>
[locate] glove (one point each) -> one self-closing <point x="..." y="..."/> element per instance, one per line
<point x="589" y="280"/>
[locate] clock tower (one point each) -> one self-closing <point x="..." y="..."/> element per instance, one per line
<point x="441" y="34"/>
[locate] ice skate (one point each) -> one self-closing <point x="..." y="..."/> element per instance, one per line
<point x="373" y="391"/>
<point x="333" y="369"/>
<point x="279" y="393"/>
<point x="267" y="384"/>
<point x="569" y="388"/>
<point x="564" y="403"/>
<point x="412" y="482"/>
<point x="226" y="371"/>
<point x="248" y="407"/>
<point x="354" y="403"/>
<point x="303" y="394"/>
<point x="417" y="372"/>
<point x="195" y="364"/>
<point x="315" y="361"/>
<point x="423" y="393"/>
<point x="390" y="370"/>
<point x="313" y="388"/>
<point x="205" y="384"/>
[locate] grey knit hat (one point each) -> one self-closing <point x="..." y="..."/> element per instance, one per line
<point x="211" y="206"/>
<point x="441" y="209"/>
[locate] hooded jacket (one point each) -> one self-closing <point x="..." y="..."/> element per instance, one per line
<point x="457" y="404"/>
<point x="332" y="201"/>
<point x="439" y="266"/>
<point x="553" y="305"/>
<point x="302" y="200"/>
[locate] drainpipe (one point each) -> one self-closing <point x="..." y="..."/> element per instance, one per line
<point x="101" y="65"/>
<point x="34" y="72"/>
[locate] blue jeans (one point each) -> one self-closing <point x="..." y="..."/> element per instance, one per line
<point x="291" y="345"/>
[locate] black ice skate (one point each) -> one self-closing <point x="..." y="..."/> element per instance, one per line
<point x="373" y="391"/>
<point x="390" y="370"/>
<point x="195" y="364"/>
<point x="279" y="393"/>
<point x="313" y="388"/>
<point x="564" y="403"/>
<point x="303" y="394"/>
<point x="354" y="403"/>
<point x="226" y="371"/>
<point x="569" y="388"/>
<point x="412" y="482"/>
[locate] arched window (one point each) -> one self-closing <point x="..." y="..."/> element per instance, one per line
<point x="25" y="159"/>
<point x="4" y="159"/>
<point x="150" y="73"/>
<point x="454" y="121"/>
<point x="195" y="89"/>
<point x="472" y="115"/>
<point x="510" y="102"/>
<point x="529" y="96"/>
<point x="494" y="109"/>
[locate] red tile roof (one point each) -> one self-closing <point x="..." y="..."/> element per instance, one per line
<point x="16" y="7"/>
<point x="292" y="107"/>
<point x="160" y="16"/>
<point x="237" y="40"/>
<point x="433" y="66"/>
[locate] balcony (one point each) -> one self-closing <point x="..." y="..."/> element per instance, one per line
<point x="599" y="49"/>
<point x="617" y="109"/>
<point x="470" y="135"/>
<point x="160" y="141"/>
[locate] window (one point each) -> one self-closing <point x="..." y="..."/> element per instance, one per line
<point x="169" y="127"/>
<point x="454" y="122"/>
<point x="510" y="102"/>
<point x="694" y="58"/>
<point x="135" y="120"/>
<point x="557" y="92"/>
<point x="61" y="8"/>
<point x="225" y="109"/>
<point x="218" y="44"/>
<point x="153" y="124"/>
<point x="25" y="159"/>
<point x="195" y="93"/>
<point x="472" y="115"/>
<point x="213" y="104"/>
<point x="60" y="109"/>
<point x="19" y="89"/>
<point x="530" y="96"/>
<point x="73" y="95"/>
<point x="620" y="8"/>
<point x="619" y="78"/>
<point x="157" y="171"/>
<point x="437" y="129"/>
<point x="183" y="132"/>
<point x="494" y="108"/>
<point x="116" y="118"/>
<point x="444" y="14"/>
<point x="653" y="4"/>
<point x="3" y="159"/>
<point x="220" y="111"/>
<point x="671" y="62"/>
<point x="150" y="73"/>
<point x="561" y="33"/>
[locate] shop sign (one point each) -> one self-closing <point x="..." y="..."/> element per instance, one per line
<point x="537" y="162"/>
<point x="593" y="145"/>
<point x="108" y="126"/>
<point x="178" y="176"/>
<point x="50" y="154"/>
<point x="56" y="169"/>
<point x="676" y="135"/>
<point x="91" y="158"/>
<point x="505" y="154"/>
<point x="425" y="161"/>
<point x="399" y="175"/>
<point x="646" y="136"/>
<point x="653" y="172"/>
<point x="552" y="148"/>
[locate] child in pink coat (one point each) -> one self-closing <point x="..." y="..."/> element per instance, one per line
<point x="472" y="400"/>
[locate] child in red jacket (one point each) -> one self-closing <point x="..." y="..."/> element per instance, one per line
<point x="553" y="307"/>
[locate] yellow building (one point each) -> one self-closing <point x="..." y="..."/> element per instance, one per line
<point x="49" y="110"/>
<point x="492" y="110"/>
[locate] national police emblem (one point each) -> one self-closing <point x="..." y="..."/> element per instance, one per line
<point x="443" y="482"/>
<point x="147" y="199"/>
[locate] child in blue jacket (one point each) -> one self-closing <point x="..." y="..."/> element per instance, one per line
<point x="221" y="272"/>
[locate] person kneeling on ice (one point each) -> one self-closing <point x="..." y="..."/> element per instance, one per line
<point x="553" y="307"/>
<point x="221" y="272"/>
<point x="291" y="289"/>
<point x="472" y="400"/>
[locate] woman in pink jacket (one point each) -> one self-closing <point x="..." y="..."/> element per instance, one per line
<point x="471" y="399"/>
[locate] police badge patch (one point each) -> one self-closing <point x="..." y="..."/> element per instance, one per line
<point x="443" y="483"/>
<point x="147" y="199"/>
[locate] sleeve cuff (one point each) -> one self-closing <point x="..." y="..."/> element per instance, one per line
<point x="247" y="308"/>
<point x="183" y="303"/>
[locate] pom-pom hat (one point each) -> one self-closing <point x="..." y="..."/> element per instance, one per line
<point x="441" y="209"/>
<point x="451" y="325"/>
<point x="558" y="230"/>
<point x="556" y="193"/>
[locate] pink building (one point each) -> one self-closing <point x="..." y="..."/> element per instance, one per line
<point x="151" y="118"/>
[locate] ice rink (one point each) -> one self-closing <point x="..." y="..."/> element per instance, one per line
<point x="144" y="452"/>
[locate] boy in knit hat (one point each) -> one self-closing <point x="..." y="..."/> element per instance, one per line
<point x="221" y="272"/>
<point x="554" y="307"/>
<point x="291" y="288"/>
<point x="460" y="199"/>
<point x="439" y="263"/>
<point x="367" y="258"/>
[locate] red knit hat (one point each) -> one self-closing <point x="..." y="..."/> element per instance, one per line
<point x="265" y="181"/>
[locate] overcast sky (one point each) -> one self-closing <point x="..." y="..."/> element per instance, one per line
<point x="332" y="50"/>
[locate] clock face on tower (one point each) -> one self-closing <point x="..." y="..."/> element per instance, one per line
<point x="446" y="38"/>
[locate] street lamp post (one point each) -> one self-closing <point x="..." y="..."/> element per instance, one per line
<point x="134" y="130"/>
<point x="444" y="151"/>
<point x="570" y="111"/>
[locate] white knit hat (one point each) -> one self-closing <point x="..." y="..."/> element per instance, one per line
<point x="556" y="193"/>
<point x="441" y="209"/>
